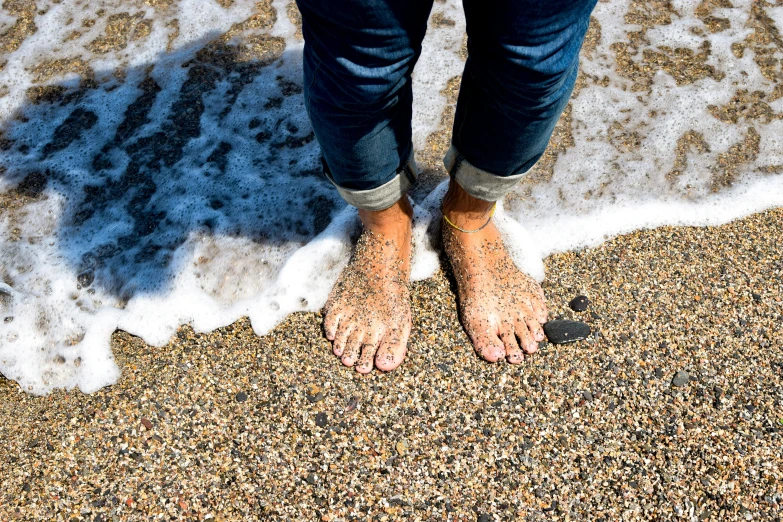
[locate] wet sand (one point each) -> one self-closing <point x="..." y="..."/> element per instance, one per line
<point x="229" y="426"/>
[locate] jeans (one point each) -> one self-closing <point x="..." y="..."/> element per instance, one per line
<point x="523" y="58"/>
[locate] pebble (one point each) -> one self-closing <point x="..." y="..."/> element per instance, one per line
<point x="241" y="397"/>
<point x="320" y="420"/>
<point x="314" y="393"/>
<point x="564" y="331"/>
<point x="312" y="479"/>
<point x="402" y="447"/>
<point x="681" y="379"/>
<point x="484" y="518"/>
<point x="579" y="303"/>
<point x="658" y="373"/>
<point x="146" y="423"/>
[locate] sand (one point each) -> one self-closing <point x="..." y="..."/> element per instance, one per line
<point x="671" y="409"/>
<point x="229" y="426"/>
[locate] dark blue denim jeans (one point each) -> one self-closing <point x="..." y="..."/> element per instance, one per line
<point x="358" y="57"/>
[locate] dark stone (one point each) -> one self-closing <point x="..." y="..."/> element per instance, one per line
<point x="587" y="395"/>
<point x="86" y="278"/>
<point x="241" y="397"/>
<point x="318" y="397"/>
<point x="320" y="420"/>
<point x="484" y="518"/>
<point x="658" y="373"/>
<point x="8" y="319"/>
<point x="681" y="379"/>
<point x="559" y="332"/>
<point x="756" y="297"/>
<point x="312" y="479"/>
<point x="579" y="303"/>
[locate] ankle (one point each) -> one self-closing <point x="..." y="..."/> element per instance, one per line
<point x="394" y="222"/>
<point x="464" y="210"/>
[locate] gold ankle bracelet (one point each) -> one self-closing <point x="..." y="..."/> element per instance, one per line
<point x="452" y="225"/>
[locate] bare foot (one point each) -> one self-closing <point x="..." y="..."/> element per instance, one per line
<point x="368" y="314"/>
<point x="501" y="308"/>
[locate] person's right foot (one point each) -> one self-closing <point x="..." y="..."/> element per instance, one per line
<point x="368" y="314"/>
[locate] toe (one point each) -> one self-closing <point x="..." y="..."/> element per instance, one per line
<point x="368" y="349"/>
<point x="513" y="354"/>
<point x="330" y="325"/>
<point x="341" y="338"/>
<point x="352" y="348"/>
<point x="392" y="350"/>
<point x="526" y="340"/>
<point x="487" y="343"/>
<point x="535" y="329"/>
<point x="364" y="365"/>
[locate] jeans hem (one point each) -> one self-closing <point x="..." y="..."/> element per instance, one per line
<point x="477" y="182"/>
<point x="383" y="197"/>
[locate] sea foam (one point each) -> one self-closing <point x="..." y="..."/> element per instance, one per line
<point x="158" y="168"/>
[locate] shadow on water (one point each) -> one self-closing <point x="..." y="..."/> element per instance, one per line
<point x="208" y="141"/>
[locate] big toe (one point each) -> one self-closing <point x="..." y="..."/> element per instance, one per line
<point x="392" y="351"/>
<point x="489" y="346"/>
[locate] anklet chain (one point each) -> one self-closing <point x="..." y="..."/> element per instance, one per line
<point x="447" y="220"/>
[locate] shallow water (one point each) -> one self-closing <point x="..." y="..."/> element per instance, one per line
<point x="158" y="167"/>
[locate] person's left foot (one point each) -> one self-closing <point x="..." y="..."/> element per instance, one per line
<point x="501" y="308"/>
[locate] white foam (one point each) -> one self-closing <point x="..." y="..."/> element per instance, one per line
<point x="255" y="231"/>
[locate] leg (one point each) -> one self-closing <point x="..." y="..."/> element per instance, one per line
<point x="358" y="60"/>
<point x="521" y="68"/>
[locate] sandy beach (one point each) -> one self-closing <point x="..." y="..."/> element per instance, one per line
<point x="672" y="409"/>
<point x="229" y="426"/>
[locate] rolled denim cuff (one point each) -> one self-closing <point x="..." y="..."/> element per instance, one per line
<point x="476" y="182"/>
<point x="381" y="198"/>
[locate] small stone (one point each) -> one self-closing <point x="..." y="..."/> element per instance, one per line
<point x="564" y="331"/>
<point x="402" y="447"/>
<point x="146" y="423"/>
<point x="681" y="379"/>
<point x="353" y="403"/>
<point x="756" y="297"/>
<point x="86" y="278"/>
<point x="320" y="420"/>
<point x="59" y="359"/>
<point x="658" y="373"/>
<point x="241" y="397"/>
<point x="312" y="479"/>
<point x="587" y="395"/>
<point x="579" y="303"/>
<point x="8" y="319"/>
<point x="314" y="393"/>
<point x="484" y="518"/>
